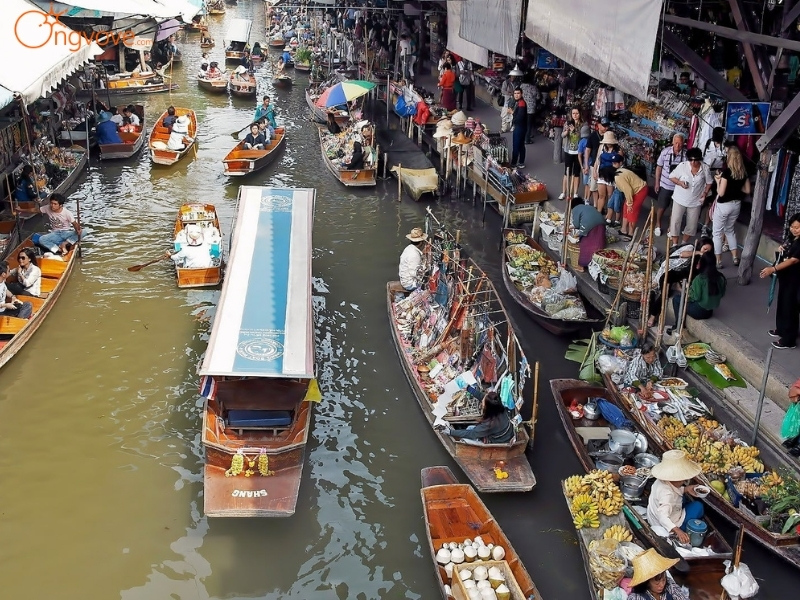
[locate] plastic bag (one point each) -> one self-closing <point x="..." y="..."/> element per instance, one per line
<point x="606" y="566"/>
<point x="567" y="282"/>
<point x="616" y="594"/>
<point x="791" y="422"/>
<point x="739" y="582"/>
<point x="404" y="109"/>
<point x="611" y="364"/>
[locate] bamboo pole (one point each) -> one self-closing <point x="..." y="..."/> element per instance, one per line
<point x="531" y="424"/>
<point x="664" y="294"/>
<point x="648" y="273"/>
<point x="686" y="296"/>
<point x="400" y="182"/>
<point x="624" y="272"/>
<point x="567" y="217"/>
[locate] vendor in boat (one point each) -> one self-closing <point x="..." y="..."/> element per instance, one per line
<point x="213" y="71"/>
<point x="10" y="305"/>
<point x="26" y="190"/>
<point x="240" y="73"/>
<point x="286" y="57"/>
<point x="671" y="505"/>
<point x="257" y="51"/>
<point x="107" y="132"/>
<point x="495" y="426"/>
<point x="333" y="126"/>
<point x="411" y="260"/>
<point x="129" y="112"/>
<point x="255" y="139"/>
<point x="266" y="110"/>
<point x="644" y="370"/>
<point x="179" y="136"/>
<point x="591" y="226"/>
<point x="65" y="231"/>
<point x="28" y="274"/>
<point x="650" y="578"/>
<point x="356" y="159"/>
<point x="170" y="119"/>
<point x="195" y="253"/>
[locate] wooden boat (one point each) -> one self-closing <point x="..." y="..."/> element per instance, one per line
<point x="454" y="512"/>
<point x="216" y="85"/>
<point x="197" y="25"/>
<point x="14" y="332"/>
<point x="277" y="43"/>
<point x="81" y="159"/>
<point x="147" y="83"/>
<point x="548" y="322"/>
<point x="243" y="86"/>
<point x="302" y="67"/>
<point x="319" y="114"/>
<point x="205" y="217"/>
<point x="207" y="44"/>
<point x="216" y="8"/>
<point x="702" y="579"/>
<point x="472" y="301"/>
<point x="132" y="141"/>
<point x="244" y="162"/>
<point x="567" y="391"/>
<point x="237" y="37"/>
<point x="350" y="178"/>
<point x="159" y="135"/>
<point x="258" y="370"/>
<point x="282" y="81"/>
<point x="787" y="546"/>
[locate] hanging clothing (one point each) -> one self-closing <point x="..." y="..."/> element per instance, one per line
<point x="708" y="121"/>
<point x="793" y="199"/>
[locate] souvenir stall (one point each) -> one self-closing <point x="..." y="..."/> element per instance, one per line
<point x="413" y="101"/>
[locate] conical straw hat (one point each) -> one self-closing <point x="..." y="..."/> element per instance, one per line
<point x="649" y="564"/>
<point x="674" y="466"/>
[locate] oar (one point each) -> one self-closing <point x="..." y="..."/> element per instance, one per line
<point x="235" y="134"/>
<point x="662" y="546"/>
<point x="135" y="268"/>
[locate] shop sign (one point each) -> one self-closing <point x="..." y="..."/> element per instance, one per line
<point x="747" y="118"/>
<point x="36" y="29"/>
<point x="546" y="60"/>
<point x="139" y="42"/>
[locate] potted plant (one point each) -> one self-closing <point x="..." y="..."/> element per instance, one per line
<point x="303" y="56"/>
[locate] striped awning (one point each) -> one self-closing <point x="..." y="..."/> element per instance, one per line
<point x="264" y="324"/>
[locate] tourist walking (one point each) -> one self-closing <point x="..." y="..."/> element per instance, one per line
<point x="692" y="181"/>
<point x="466" y="78"/>
<point x="732" y="186"/>
<point x="571" y="137"/>
<point x="670" y="157"/>
<point x="787" y="270"/>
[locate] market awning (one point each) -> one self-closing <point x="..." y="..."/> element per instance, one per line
<point x="186" y="9"/>
<point x="160" y="9"/>
<point x="239" y="30"/>
<point x="6" y="97"/>
<point x="614" y="44"/>
<point x="263" y="326"/>
<point x="40" y="51"/>
<point x="143" y="40"/>
<point x="492" y="24"/>
<point x="455" y="43"/>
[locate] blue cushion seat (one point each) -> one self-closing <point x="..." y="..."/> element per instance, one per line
<point x="259" y="418"/>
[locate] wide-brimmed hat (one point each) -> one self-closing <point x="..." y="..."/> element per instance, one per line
<point x="459" y="119"/>
<point x="104" y="116"/>
<point x="194" y="235"/>
<point x="649" y="564"/>
<point x="609" y="138"/>
<point x="461" y="139"/>
<point x="444" y="128"/>
<point x="287" y="48"/>
<point x="181" y="124"/>
<point x="417" y="235"/>
<point x="674" y="466"/>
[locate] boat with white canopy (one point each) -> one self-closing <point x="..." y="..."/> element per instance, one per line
<point x="237" y="36"/>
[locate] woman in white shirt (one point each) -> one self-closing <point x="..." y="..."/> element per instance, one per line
<point x="692" y="181"/>
<point x="665" y="507"/>
<point x="28" y="274"/>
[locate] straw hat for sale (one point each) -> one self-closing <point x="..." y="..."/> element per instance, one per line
<point x="609" y="138"/>
<point x="459" y="119"/>
<point x="649" y="564"/>
<point x="444" y="128"/>
<point x="417" y="235"/>
<point x="461" y="139"/>
<point x="674" y="466"/>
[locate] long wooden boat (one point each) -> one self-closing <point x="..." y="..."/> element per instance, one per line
<point x="567" y="391"/>
<point x="547" y="321"/>
<point x="240" y="162"/>
<point x="277" y="43"/>
<point x="210" y="44"/>
<point x="453" y="513"/>
<point x="14" y="332"/>
<point x="465" y="319"/>
<point x="243" y="87"/>
<point x="9" y="236"/>
<point x="237" y="37"/>
<point x="216" y="85"/>
<point x="319" y="114"/>
<point x="205" y="217"/>
<point x="146" y="83"/>
<point x="216" y="8"/>
<point x="132" y="141"/>
<point x="258" y="369"/>
<point x="81" y="160"/>
<point x="702" y="579"/>
<point x="348" y="177"/>
<point x="787" y="546"/>
<point x="159" y="136"/>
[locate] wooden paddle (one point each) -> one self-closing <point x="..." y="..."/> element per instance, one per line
<point x="662" y="546"/>
<point x="135" y="268"/>
<point x="235" y="134"/>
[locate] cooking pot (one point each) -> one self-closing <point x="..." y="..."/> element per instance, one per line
<point x="645" y="461"/>
<point x="590" y="410"/>
<point x="632" y="486"/>
<point x="609" y="462"/>
<point x="621" y="442"/>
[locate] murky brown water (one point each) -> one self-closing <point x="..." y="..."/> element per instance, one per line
<point x="100" y="456"/>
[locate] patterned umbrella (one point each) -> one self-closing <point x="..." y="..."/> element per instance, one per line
<point x="343" y="92"/>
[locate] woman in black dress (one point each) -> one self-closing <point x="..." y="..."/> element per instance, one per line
<point x="787" y="270"/>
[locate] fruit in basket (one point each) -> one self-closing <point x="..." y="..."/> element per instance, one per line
<point x="619" y="533"/>
<point x="516" y="237"/>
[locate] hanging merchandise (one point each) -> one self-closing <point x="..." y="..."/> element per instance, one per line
<point x="793" y="198"/>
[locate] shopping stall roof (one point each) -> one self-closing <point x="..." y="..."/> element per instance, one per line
<point x="239" y="30"/>
<point x="159" y="9"/>
<point x="263" y="325"/>
<point x="42" y="56"/>
<point x="6" y="97"/>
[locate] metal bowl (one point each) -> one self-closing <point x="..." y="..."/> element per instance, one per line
<point x="646" y="461"/>
<point x="609" y="462"/>
<point x="621" y="441"/>
<point x="632" y="486"/>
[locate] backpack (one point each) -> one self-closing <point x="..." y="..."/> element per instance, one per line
<point x="464" y="76"/>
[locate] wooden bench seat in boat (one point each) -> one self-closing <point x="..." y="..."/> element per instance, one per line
<point x="11" y="325"/>
<point x="273" y="420"/>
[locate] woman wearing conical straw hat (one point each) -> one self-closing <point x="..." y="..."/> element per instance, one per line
<point x="650" y="580"/>
<point x="671" y="505"/>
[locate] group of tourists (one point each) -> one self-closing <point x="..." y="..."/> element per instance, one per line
<point x="110" y="124"/>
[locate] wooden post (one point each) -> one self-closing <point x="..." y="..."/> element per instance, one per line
<point x="756" y="219"/>
<point x="567" y="217"/>
<point x="400" y="182"/>
<point x="622" y="274"/>
<point x="664" y="293"/>
<point x="648" y="274"/>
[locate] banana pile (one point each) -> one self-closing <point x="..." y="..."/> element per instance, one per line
<point x="586" y="518"/>
<point x="594" y="491"/>
<point x="619" y="533"/>
<point x="771" y="479"/>
<point x="698" y="442"/>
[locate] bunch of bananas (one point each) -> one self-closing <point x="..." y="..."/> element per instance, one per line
<point x="672" y="428"/>
<point x="263" y="464"/>
<point x="619" y="533"/>
<point x="708" y="424"/>
<point x="583" y="502"/>
<point x="586" y="518"/>
<point x="771" y="479"/>
<point x="574" y="485"/>
<point x="237" y="465"/>
<point x="746" y="456"/>
<point x="604" y="492"/>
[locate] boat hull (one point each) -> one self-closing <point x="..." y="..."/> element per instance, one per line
<point x="194" y="278"/>
<point x="243" y="88"/>
<point x="159" y="133"/>
<point x="214" y="86"/>
<point x="233" y="56"/>
<point x="132" y="142"/>
<point x="350" y="178"/>
<point x="240" y="162"/>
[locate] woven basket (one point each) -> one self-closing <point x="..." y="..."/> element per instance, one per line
<point x="573" y="254"/>
<point x="522" y="215"/>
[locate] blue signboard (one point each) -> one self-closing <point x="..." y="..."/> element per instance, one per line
<point x="546" y="60"/>
<point x="747" y="118"/>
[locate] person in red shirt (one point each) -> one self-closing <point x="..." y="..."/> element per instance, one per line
<point x="447" y="80"/>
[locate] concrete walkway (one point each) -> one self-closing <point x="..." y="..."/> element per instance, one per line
<point x="738" y="328"/>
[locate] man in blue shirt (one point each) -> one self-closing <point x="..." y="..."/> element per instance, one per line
<point x="266" y="110"/>
<point x="107" y="130"/>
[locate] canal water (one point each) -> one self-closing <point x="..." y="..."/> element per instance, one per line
<point x="100" y="454"/>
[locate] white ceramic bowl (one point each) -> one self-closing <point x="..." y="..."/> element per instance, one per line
<point x="701" y="491"/>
